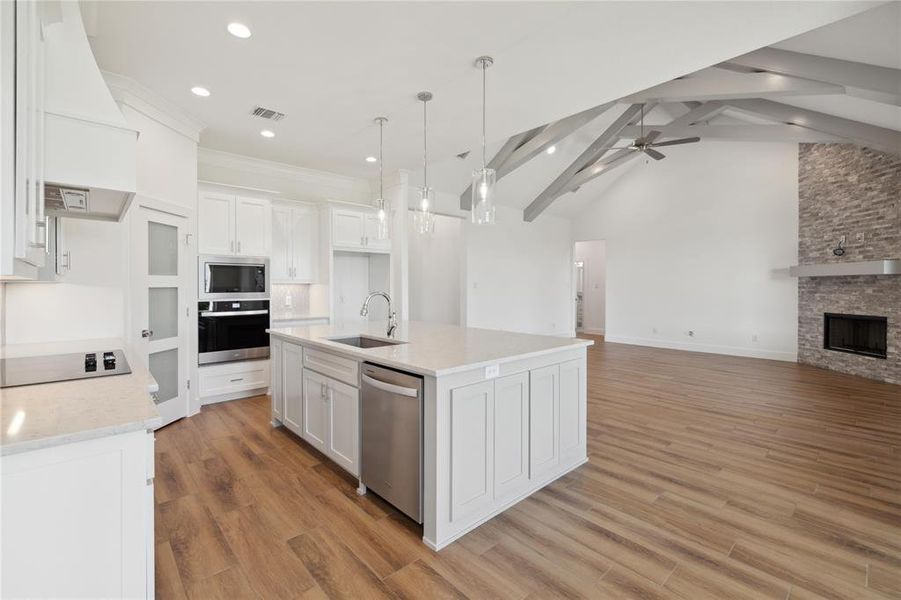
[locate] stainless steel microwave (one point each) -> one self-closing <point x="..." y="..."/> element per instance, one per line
<point x="233" y="278"/>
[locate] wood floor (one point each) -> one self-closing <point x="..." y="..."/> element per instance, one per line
<point x="710" y="477"/>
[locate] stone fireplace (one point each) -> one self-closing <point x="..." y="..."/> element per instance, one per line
<point x="846" y="190"/>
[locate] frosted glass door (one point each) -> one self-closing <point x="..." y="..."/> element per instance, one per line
<point x="159" y="305"/>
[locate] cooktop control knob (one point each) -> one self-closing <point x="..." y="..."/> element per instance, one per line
<point x="90" y="362"/>
<point x="109" y="360"/>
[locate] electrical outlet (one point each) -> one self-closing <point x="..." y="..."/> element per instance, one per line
<point x="289" y="301"/>
<point x="754" y="337"/>
<point x="860" y="237"/>
<point x="654" y="330"/>
<point x="492" y="371"/>
<point x="691" y="333"/>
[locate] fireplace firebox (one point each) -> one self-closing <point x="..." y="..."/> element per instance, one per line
<point x="856" y="334"/>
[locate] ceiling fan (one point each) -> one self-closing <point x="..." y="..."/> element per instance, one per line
<point x="645" y="143"/>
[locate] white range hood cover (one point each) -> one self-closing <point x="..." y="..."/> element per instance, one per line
<point x="844" y="269"/>
<point x="89" y="145"/>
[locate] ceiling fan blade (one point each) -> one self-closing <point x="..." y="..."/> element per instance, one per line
<point x="690" y="140"/>
<point x="651" y="136"/>
<point x="654" y="154"/>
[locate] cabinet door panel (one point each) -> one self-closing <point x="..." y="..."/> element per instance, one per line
<point x="276" y="379"/>
<point x="511" y="434"/>
<point x="292" y="376"/>
<point x="280" y="262"/>
<point x="215" y="225"/>
<point x="348" y="228"/>
<point x="315" y="410"/>
<point x="344" y="422"/>
<point x="371" y="234"/>
<point x="305" y="254"/>
<point x="251" y="227"/>
<point x="544" y="415"/>
<point x="572" y="409"/>
<point x="471" y="423"/>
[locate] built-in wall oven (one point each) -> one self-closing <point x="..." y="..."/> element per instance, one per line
<point x="233" y="278"/>
<point x="232" y="330"/>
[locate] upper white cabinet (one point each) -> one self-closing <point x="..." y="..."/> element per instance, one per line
<point x="295" y="244"/>
<point x="233" y="225"/>
<point x="357" y="230"/>
<point x="23" y="236"/>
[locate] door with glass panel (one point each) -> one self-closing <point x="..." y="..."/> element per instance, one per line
<point x="159" y="321"/>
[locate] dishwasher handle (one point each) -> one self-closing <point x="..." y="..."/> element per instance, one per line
<point x="390" y="387"/>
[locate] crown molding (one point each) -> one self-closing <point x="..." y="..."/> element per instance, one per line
<point x="259" y="166"/>
<point x="126" y="90"/>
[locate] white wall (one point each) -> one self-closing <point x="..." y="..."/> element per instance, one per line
<point x="701" y="241"/>
<point x="519" y="275"/>
<point x="593" y="254"/>
<point x="434" y="271"/>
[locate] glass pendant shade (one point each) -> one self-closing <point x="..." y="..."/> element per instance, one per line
<point x="423" y="217"/>
<point x="383" y="216"/>
<point x="483" y="192"/>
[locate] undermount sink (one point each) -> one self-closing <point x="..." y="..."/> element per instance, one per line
<point x="362" y="341"/>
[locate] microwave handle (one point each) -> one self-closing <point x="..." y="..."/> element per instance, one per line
<point x="233" y="313"/>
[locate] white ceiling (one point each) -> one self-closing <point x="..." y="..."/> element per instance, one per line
<point x="873" y="36"/>
<point x="333" y="66"/>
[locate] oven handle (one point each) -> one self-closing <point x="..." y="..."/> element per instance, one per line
<point x="233" y="313"/>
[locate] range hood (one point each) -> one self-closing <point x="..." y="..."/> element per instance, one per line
<point x="890" y="266"/>
<point x="90" y="152"/>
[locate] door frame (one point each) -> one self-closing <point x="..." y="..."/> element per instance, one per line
<point x="187" y="280"/>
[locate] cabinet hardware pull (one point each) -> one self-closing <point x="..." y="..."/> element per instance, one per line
<point x="231" y="246"/>
<point x="239" y="247"/>
<point x="236" y="380"/>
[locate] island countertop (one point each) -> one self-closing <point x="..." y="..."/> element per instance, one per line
<point x="430" y="348"/>
<point x="51" y="414"/>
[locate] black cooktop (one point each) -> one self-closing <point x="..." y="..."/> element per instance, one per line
<point x="28" y="370"/>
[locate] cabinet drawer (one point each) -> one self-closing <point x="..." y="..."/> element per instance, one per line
<point x="336" y="367"/>
<point x="233" y="377"/>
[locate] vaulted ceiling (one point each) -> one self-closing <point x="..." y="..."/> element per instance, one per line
<point x="334" y="66"/>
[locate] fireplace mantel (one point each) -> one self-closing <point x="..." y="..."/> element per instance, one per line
<point x="890" y="266"/>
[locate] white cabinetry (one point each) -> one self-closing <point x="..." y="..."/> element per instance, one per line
<point x="276" y="386"/>
<point x="77" y="520"/>
<point x="233" y="225"/>
<point x="331" y="419"/>
<point x="544" y="417"/>
<point x="22" y="222"/>
<point x="295" y="244"/>
<point x="231" y="380"/>
<point x="357" y="230"/>
<point x="472" y="463"/>
<point x="292" y="384"/>
<point x="511" y="435"/>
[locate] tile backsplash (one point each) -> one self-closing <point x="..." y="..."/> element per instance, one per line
<point x="298" y="300"/>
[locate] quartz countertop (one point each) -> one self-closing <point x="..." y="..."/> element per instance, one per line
<point x="52" y="414"/>
<point x="430" y="348"/>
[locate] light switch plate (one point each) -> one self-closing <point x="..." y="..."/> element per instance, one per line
<point x="492" y="371"/>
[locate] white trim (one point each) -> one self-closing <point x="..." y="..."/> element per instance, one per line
<point x="249" y="164"/>
<point x="228" y="397"/>
<point x="126" y="90"/>
<point x="708" y="348"/>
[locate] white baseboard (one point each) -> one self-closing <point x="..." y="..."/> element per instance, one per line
<point x="709" y="348"/>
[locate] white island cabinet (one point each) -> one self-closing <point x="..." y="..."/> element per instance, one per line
<point x="504" y="413"/>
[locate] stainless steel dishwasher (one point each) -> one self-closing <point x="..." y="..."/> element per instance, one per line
<point x="392" y="437"/>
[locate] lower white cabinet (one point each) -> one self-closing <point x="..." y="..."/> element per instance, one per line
<point x="331" y="419"/>
<point x="276" y="386"/>
<point x="544" y="420"/>
<point x="573" y="407"/>
<point x="511" y="435"/>
<point x="472" y="464"/>
<point x="77" y="520"/>
<point x="292" y="384"/>
<point x="227" y="381"/>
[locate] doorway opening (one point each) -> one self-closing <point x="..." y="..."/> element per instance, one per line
<point x="590" y="287"/>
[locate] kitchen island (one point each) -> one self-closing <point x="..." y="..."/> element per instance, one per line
<point x="503" y="413"/>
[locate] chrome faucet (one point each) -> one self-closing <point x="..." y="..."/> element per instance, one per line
<point x="392" y="316"/>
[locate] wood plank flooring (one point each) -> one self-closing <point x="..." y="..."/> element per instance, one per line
<point x="710" y="477"/>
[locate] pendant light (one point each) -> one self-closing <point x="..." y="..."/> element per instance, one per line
<point x="383" y="209"/>
<point x="423" y="217"/>
<point x="484" y="179"/>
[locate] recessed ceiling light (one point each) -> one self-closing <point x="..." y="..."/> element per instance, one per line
<point x="551" y="149"/>
<point x="239" y="30"/>
<point x="371" y="159"/>
<point x="267" y="134"/>
<point x="200" y="91"/>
